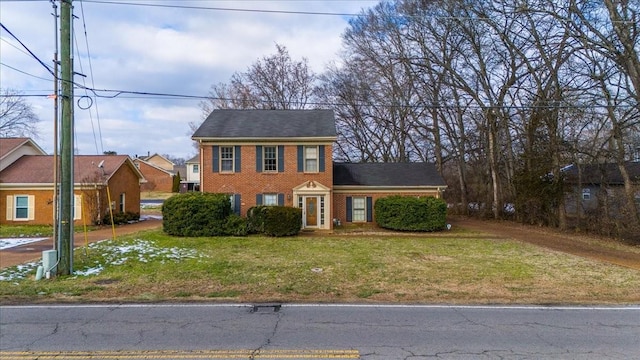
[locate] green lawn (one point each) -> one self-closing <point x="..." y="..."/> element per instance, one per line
<point x="451" y="267"/>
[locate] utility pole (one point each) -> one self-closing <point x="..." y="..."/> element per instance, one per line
<point x="56" y="100"/>
<point x="65" y="265"/>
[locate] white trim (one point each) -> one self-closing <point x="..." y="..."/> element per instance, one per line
<point x="314" y="189"/>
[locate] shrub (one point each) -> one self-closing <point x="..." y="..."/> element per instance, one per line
<point x="236" y="225"/>
<point x="196" y="214"/>
<point x="274" y="220"/>
<point x="255" y="219"/>
<point x="407" y="213"/>
<point x="282" y="221"/>
<point x="120" y="218"/>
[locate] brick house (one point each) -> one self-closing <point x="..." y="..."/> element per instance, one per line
<point x="26" y="188"/>
<point x="285" y="157"/>
<point x="157" y="177"/>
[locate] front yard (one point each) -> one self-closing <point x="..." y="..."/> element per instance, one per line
<point x="451" y="267"/>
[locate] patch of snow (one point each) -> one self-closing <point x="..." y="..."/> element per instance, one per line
<point x="6" y="243"/>
<point x="150" y="217"/>
<point x="112" y="254"/>
<point x="18" y="272"/>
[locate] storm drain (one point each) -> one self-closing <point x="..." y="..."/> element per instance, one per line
<point x="265" y="308"/>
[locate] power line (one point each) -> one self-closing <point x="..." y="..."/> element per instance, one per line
<point x="23" y="72"/>
<point x="86" y="38"/>
<point x="28" y="50"/>
<point x="265" y="11"/>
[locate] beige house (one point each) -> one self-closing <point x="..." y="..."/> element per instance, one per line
<point x="27" y="184"/>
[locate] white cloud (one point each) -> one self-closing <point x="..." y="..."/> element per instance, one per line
<point x="157" y="49"/>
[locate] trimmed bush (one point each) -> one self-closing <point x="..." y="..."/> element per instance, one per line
<point x="282" y="221"/>
<point x="274" y="220"/>
<point x="236" y="225"/>
<point x="196" y="214"/>
<point x="405" y="213"/>
<point x="255" y="219"/>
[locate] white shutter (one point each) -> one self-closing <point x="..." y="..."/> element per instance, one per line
<point x="31" y="201"/>
<point x="9" y="207"/>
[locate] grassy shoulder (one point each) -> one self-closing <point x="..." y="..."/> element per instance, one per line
<point x="453" y="267"/>
<point x="26" y="231"/>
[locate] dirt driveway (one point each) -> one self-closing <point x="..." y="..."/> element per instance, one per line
<point x="601" y="249"/>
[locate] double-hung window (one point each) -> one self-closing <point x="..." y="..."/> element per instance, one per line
<point x="270" y="199"/>
<point x="310" y="159"/>
<point x="21" y="208"/>
<point x="196" y="168"/>
<point x="270" y="158"/>
<point x="226" y="158"/>
<point x="359" y="209"/>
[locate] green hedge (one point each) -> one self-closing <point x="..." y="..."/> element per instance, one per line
<point x="120" y="218"/>
<point x="274" y="220"/>
<point x="407" y="213"/>
<point x="196" y="214"/>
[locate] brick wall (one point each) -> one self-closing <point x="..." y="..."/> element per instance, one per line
<point x="125" y="181"/>
<point x="157" y="180"/>
<point x="340" y="200"/>
<point x="248" y="182"/>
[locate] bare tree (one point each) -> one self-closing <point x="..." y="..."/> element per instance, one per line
<point x="272" y="82"/>
<point x="16" y="115"/>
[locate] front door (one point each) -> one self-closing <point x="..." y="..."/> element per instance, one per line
<point x="311" y="206"/>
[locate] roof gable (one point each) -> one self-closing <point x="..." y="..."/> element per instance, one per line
<point x="260" y="124"/>
<point x="11" y="149"/>
<point x="387" y="175"/>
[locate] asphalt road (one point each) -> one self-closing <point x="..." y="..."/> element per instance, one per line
<point x="200" y="331"/>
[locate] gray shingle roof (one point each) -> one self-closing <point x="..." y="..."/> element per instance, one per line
<point x="230" y="123"/>
<point x="386" y="174"/>
<point x="607" y="173"/>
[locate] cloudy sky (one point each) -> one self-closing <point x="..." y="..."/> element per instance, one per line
<point x="163" y="46"/>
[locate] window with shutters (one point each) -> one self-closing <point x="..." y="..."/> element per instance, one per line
<point x="270" y="158"/>
<point x="270" y="199"/>
<point x="21" y="208"/>
<point x="310" y="159"/>
<point x="226" y="158"/>
<point x="359" y="209"/>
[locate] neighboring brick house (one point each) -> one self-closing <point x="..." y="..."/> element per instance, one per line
<point x="26" y="188"/>
<point x="157" y="178"/>
<point x="284" y="157"/>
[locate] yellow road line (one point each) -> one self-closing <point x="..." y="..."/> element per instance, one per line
<point x="182" y="355"/>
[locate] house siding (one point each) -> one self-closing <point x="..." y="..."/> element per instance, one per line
<point x="249" y="182"/>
